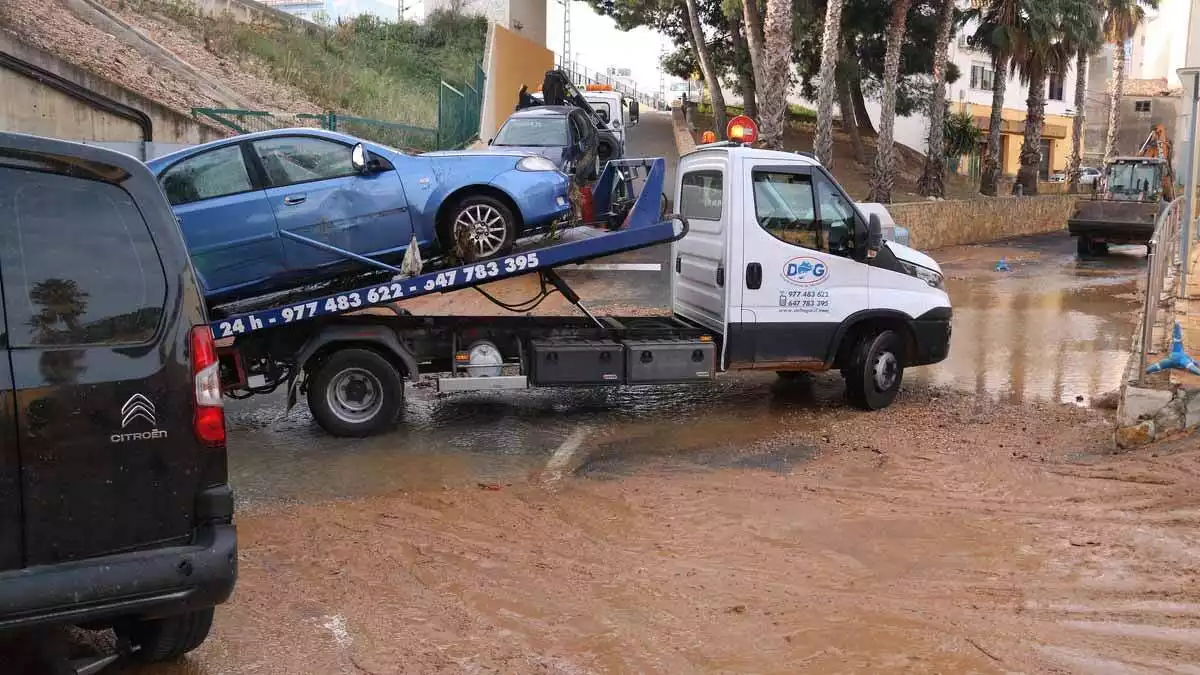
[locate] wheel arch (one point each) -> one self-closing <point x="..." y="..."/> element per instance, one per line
<point x="454" y="198"/>
<point x="869" y="320"/>
<point x="375" y="338"/>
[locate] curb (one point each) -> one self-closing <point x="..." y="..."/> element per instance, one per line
<point x="684" y="142"/>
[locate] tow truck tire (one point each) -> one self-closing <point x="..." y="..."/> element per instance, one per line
<point x="355" y="393"/>
<point x="876" y="370"/>
<point x="170" y="637"/>
<point x="1086" y="247"/>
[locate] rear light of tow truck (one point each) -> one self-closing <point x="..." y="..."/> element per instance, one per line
<point x="209" y="419"/>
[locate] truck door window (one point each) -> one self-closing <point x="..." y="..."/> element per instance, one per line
<point x="837" y="217"/>
<point x="105" y="287"/>
<point x="785" y="208"/>
<point x="701" y="195"/>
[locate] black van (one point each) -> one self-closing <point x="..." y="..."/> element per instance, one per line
<point x="115" y="510"/>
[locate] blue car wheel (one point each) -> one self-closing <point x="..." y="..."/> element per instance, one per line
<point x="481" y="227"/>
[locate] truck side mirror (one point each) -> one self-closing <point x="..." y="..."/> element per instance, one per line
<point x="633" y="112"/>
<point x="874" y="235"/>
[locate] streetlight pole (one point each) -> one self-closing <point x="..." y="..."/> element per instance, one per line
<point x="1190" y="176"/>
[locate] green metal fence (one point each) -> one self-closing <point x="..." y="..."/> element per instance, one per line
<point x="457" y="121"/>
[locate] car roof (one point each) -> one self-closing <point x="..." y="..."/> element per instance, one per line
<point x="270" y="133"/>
<point x="545" y="111"/>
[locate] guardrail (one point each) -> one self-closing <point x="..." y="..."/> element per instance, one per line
<point x="1163" y="252"/>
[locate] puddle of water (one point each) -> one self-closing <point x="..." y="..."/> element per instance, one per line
<point x="1054" y="330"/>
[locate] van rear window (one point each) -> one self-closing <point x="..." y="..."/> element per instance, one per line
<point x="701" y="195"/>
<point x="78" y="263"/>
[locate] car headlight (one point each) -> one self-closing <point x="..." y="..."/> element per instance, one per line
<point x="536" y="163"/>
<point x="924" y="274"/>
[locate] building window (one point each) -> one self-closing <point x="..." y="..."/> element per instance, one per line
<point x="1055" y="89"/>
<point x="982" y="76"/>
<point x="1142" y="109"/>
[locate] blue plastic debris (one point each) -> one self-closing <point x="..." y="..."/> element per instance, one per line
<point x="1177" y="359"/>
<point x="1002" y="266"/>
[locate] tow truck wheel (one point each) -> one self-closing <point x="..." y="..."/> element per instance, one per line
<point x="1087" y="247"/>
<point x="355" y="393"/>
<point x="876" y="371"/>
<point x="481" y="227"/>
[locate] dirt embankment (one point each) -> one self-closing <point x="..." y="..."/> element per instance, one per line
<point x="946" y="536"/>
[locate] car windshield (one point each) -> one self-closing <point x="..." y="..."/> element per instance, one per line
<point x="529" y="131"/>
<point x="1130" y="178"/>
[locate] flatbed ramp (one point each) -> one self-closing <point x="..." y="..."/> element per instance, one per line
<point x="640" y="225"/>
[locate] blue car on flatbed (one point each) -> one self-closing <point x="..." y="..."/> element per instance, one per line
<point x="261" y="212"/>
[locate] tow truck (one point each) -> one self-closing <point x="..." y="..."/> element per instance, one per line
<point x="773" y="268"/>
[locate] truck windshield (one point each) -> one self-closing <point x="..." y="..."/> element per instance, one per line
<point x="602" y="109"/>
<point x="1133" y="178"/>
<point x="536" y="132"/>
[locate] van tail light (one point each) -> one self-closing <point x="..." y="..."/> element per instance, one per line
<point x="209" y="419"/>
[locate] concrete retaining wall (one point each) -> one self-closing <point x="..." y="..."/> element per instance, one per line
<point x="36" y="107"/>
<point x="935" y="224"/>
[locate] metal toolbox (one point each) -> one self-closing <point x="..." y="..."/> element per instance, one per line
<point x="668" y="361"/>
<point x="576" y="362"/>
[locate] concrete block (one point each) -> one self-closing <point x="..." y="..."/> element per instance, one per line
<point x="1138" y="404"/>
<point x="1136" y="435"/>
<point x="1191" y="416"/>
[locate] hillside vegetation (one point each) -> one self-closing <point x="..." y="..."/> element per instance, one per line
<point x="167" y="51"/>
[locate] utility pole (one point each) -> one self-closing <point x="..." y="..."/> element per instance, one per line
<point x="401" y="10"/>
<point x="662" y="74"/>
<point x="566" y="43"/>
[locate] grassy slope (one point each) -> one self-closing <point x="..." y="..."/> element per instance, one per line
<point x="363" y="67"/>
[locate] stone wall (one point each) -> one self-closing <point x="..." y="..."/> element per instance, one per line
<point x="935" y="224"/>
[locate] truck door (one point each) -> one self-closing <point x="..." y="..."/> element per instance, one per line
<point x="104" y="390"/>
<point x="316" y="193"/>
<point x="700" y="288"/>
<point x="799" y="279"/>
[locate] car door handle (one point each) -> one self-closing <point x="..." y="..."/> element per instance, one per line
<point x="292" y="200"/>
<point x="753" y="276"/>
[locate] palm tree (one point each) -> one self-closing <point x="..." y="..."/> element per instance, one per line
<point x="931" y="183"/>
<point x="883" y="175"/>
<point x="1046" y="42"/>
<point x="711" y="77"/>
<point x="1121" y="21"/>
<point x="1089" y="41"/>
<point x="776" y="63"/>
<point x="996" y="21"/>
<point x="823" y="144"/>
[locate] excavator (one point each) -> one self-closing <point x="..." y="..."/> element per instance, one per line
<point x="1127" y="198"/>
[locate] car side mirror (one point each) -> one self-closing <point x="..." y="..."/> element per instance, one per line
<point x="633" y="113"/>
<point x="874" y="235"/>
<point x="358" y="158"/>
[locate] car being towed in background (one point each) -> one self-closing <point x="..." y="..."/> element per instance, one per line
<point x="562" y="134"/>
<point x="247" y="204"/>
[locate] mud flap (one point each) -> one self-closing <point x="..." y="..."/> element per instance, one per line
<point x="292" y="393"/>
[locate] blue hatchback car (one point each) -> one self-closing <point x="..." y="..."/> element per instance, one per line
<point x="560" y="133"/>
<point x="256" y="209"/>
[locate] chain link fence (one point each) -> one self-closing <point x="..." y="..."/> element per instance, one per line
<point x="458" y="110"/>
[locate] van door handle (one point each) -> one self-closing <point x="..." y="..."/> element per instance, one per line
<point x="753" y="276"/>
<point x="720" y="276"/>
<point x="292" y="200"/>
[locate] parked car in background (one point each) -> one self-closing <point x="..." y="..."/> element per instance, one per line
<point x="1088" y="175"/>
<point x="562" y="134"/>
<point x="256" y="209"/>
<point x="115" y="509"/>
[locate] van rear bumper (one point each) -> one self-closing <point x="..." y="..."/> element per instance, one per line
<point x="150" y="583"/>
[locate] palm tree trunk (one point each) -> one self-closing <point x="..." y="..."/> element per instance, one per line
<point x="931" y="183"/>
<point x="883" y="176"/>
<point x="860" y="103"/>
<point x="846" y="105"/>
<point x="777" y="61"/>
<point x="1116" y="89"/>
<point x="753" y="22"/>
<point x="823" y="144"/>
<point x="1031" y="148"/>
<point x="1073" y="164"/>
<point x="744" y="66"/>
<point x="711" y="78"/>
<point x="989" y="175"/>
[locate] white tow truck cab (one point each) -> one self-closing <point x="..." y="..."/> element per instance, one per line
<point x="612" y="106"/>
<point x="779" y="261"/>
